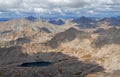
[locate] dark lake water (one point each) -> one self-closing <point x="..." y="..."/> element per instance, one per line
<point x="36" y="64"/>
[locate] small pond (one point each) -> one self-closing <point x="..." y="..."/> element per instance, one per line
<point x="36" y="64"/>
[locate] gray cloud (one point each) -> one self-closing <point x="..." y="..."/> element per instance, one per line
<point x="59" y="6"/>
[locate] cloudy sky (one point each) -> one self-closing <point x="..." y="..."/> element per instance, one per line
<point x="21" y="8"/>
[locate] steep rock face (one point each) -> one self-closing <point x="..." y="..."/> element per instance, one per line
<point x="110" y="36"/>
<point x="66" y="36"/>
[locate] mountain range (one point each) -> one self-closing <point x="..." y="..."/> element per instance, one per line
<point x="82" y="22"/>
<point x="77" y="47"/>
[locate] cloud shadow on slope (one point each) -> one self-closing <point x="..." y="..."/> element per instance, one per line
<point x="62" y="65"/>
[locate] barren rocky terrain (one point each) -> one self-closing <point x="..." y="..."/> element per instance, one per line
<point x="71" y="50"/>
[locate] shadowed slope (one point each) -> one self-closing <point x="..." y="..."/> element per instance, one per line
<point x="62" y="65"/>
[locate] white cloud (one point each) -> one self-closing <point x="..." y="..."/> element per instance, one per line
<point x="40" y="10"/>
<point x="1" y="13"/>
<point x="91" y="12"/>
<point x="58" y="6"/>
<point x="103" y="1"/>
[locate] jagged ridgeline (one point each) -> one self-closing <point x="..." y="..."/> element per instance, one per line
<point x="67" y="36"/>
<point x="110" y="36"/>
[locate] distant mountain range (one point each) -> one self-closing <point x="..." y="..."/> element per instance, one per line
<point x="87" y="22"/>
<point x="4" y="19"/>
<point x="79" y="48"/>
<point x="56" y="21"/>
<point x="112" y="21"/>
<point x="82" y="22"/>
<point x="31" y="18"/>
